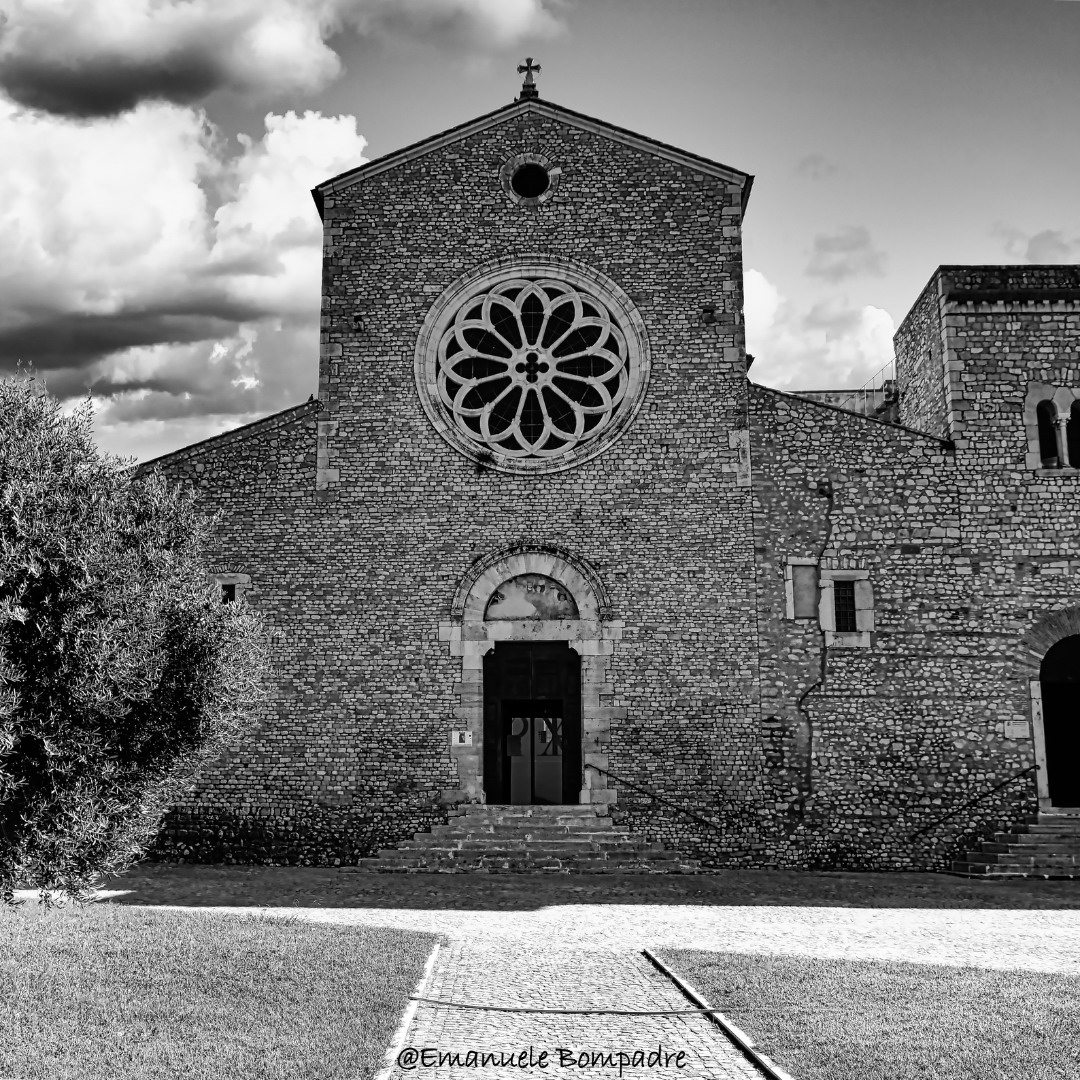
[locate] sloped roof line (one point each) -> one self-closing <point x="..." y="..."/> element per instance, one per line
<point x="755" y="387"/>
<point x="236" y="434"/>
<point x="516" y="108"/>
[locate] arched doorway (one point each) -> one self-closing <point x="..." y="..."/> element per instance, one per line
<point x="533" y="631"/>
<point x="1059" y="680"/>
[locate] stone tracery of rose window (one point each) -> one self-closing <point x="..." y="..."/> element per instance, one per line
<point x="532" y="368"/>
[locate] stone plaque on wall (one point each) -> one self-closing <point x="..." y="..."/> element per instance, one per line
<point x="1017" y="729"/>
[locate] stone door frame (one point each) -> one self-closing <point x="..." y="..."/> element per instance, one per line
<point x="1035" y="644"/>
<point x="592" y="636"/>
<point x="1038" y="732"/>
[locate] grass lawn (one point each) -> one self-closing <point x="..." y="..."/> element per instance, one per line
<point x="126" y="992"/>
<point x="863" y="1020"/>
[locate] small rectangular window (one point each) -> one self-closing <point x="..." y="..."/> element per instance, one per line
<point x="844" y="607"/>
<point x="804" y="592"/>
<point x="228" y="594"/>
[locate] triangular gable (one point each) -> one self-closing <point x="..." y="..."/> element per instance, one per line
<point x="520" y="108"/>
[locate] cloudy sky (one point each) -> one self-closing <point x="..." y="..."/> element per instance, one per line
<point x="160" y="247"/>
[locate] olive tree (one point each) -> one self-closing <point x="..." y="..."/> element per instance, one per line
<point x="121" y="671"/>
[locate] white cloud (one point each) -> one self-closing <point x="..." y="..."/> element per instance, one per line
<point x="121" y="275"/>
<point x="825" y="347"/>
<point x="1047" y="246"/>
<point x="97" y="57"/>
<point x="271" y="219"/>
<point x="148" y="439"/>
<point x="815" y="167"/>
<point x="476" y="23"/>
<point x="102" y="57"/>
<point x="176" y="275"/>
<point x="89" y="213"/>
<point x="847" y="253"/>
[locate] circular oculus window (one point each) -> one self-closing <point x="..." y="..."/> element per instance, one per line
<point x="532" y="370"/>
<point x="530" y="179"/>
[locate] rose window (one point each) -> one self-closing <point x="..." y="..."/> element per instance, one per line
<point x="533" y="368"/>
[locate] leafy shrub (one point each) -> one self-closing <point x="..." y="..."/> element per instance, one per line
<point x="121" y="671"/>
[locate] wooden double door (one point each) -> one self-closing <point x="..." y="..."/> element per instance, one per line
<point x="532" y="723"/>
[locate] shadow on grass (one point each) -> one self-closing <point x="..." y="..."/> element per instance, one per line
<point x="298" y="887"/>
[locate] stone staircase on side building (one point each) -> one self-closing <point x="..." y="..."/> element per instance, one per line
<point x="1047" y="846"/>
<point x="530" y="839"/>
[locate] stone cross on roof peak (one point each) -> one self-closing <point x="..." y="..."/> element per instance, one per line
<point x="528" y="87"/>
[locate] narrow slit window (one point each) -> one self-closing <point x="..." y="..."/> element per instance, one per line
<point x="844" y="607"/>
<point x="1048" y="448"/>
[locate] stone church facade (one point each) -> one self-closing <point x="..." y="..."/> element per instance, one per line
<point x="540" y="540"/>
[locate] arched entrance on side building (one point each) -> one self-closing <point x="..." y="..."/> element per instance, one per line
<point x="1059" y="682"/>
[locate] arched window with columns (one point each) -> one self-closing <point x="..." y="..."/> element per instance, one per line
<point x="1052" y="422"/>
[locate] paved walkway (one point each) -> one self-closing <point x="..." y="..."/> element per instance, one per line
<point x="1000" y="940"/>
<point x="1024" y="939"/>
<point x="532" y="973"/>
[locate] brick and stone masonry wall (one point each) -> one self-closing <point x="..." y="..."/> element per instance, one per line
<point x="1008" y="329"/>
<point x="357" y="524"/>
<point x="972" y="557"/>
<point x="920" y="365"/>
<point x="973" y="561"/>
<point x="1004" y="331"/>
<point x="867" y="745"/>
<point x="932" y="387"/>
<point x="358" y="563"/>
<point x="272" y="797"/>
<point x="657" y="517"/>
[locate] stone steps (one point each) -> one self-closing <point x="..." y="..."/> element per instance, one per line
<point x="568" y="845"/>
<point x="529" y="839"/>
<point x="599" y="863"/>
<point x="1019" y="870"/>
<point x="1046" y="846"/>
<point x="1057" y="832"/>
<point x="554" y="819"/>
<point x="1010" y="844"/>
<point x="506" y="849"/>
<point x="536" y="831"/>
<point x="540" y="855"/>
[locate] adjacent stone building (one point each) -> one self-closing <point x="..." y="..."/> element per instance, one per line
<point x="540" y="540"/>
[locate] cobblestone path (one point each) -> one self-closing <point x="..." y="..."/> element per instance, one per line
<point x="533" y="974"/>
